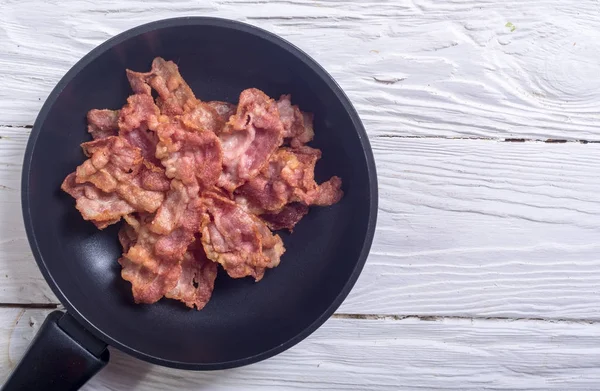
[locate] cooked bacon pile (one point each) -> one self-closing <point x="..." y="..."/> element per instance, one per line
<point x="197" y="183"/>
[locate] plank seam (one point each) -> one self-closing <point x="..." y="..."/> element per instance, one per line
<point x="496" y="139"/>
<point x="30" y="305"/>
<point x="17" y="126"/>
<point x="424" y="318"/>
<point x="439" y="318"/>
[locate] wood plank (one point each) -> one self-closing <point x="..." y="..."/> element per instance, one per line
<point x="412" y="67"/>
<point x="469" y="228"/>
<point x="21" y="280"/>
<point x="484" y="228"/>
<point x="370" y="355"/>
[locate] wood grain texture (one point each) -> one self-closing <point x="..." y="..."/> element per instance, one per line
<point x="371" y="355"/>
<point x="484" y="228"/>
<point x="466" y="227"/>
<point x="469" y="68"/>
<point x="20" y="279"/>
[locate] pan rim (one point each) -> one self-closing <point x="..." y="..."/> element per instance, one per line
<point x="244" y="28"/>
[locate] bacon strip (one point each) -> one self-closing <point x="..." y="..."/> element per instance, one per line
<point x="113" y="167"/>
<point x="289" y="177"/>
<point x="182" y="208"/>
<point x="172" y="265"/>
<point x="249" y="138"/>
<point x="114" y="182"/>
<point x="175" y="96"/>
<point x="194" y="157"/>
<point x="286" y="218"/>
<point x="152" y="262"/>
<point x="297" y="126"/>
<point x="102" y="209"/>
<point x="137" y="120"/>
<point x="238" y="240"/>
<point x="102" y="123"/>
<point x="197" y="279"/>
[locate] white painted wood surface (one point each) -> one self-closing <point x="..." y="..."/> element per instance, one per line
<point x="372" y="355"/>
<point x="483" y="235"/>
<point x="412" y="67"/>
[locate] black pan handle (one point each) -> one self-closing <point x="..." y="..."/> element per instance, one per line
<point x="62" y="356"/>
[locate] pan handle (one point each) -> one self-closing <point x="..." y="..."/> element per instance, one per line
<point x="62" y="356"/>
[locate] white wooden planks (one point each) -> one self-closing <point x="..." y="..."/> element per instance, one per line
<point x="20" y="279"/>
<point x="470" y="68"/>
<point x="466" y="227"/>
<point x="370" y="355"/>
<point x="484" y="228"/>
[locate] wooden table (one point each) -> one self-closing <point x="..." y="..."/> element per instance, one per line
<point x="484" y="118"/>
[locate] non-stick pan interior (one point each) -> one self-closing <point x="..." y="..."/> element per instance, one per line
<point x="244" y="321"/>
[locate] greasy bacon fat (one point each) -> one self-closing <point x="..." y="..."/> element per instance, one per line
<point x="198" y="184"/>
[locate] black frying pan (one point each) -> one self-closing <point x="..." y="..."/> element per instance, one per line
<point x="245" y="321"/>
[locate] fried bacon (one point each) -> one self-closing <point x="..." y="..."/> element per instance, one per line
<point x="289" y="177"/>
<point x="172" y="265"/>
<point x="182" y="208"/>
<point x="197" y="279"/>
<point x="286" y="218"/>
<point x="194" y="157"/>
<point x="103" y="123"/>
<point x="198" y="184"/>
<point x="137" y="120"/>
<point x="152" y="262"/>
<point x="297" y="126"/>
<point x="238" y="240"/>
<point x="102" y="209"/>
<point x="249" y="138"/>
<point x="175" y="96"/>
<point x="223" y="109"/>
<point x="114" y="167"/>
<point x="203" y="117"/>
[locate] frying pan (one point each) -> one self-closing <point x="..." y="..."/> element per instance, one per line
<point x="245" y="321"/>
